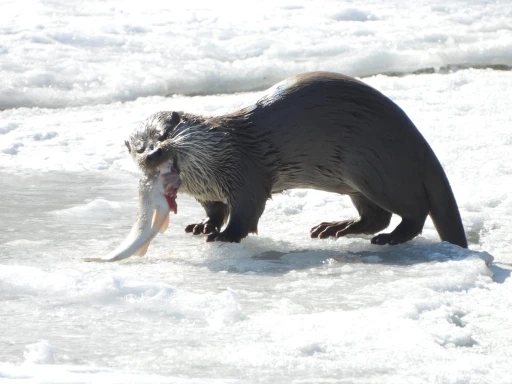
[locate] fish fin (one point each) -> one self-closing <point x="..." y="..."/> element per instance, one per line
<point x="165" y="224"/>
<point x="156" y="215"/>
<point x="142" y="250"/>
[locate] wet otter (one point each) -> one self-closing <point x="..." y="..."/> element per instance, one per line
<point x="316" y="130"/>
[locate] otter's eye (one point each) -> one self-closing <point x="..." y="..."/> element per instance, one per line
<point x="141" y="149"/>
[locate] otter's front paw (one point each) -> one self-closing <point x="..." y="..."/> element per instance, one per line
<point x="204" y="227"/>
<point x="224" y="237"/>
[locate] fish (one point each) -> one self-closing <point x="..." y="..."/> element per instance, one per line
<point x="157" y="198"/>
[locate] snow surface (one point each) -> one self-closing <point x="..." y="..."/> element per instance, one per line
<point x="72" y="53"/>
<point x="279" y="307"/>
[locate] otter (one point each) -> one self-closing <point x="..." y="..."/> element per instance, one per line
<point x="317" y="130"/>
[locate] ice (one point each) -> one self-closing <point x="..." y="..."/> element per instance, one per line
<point x="298" y="312"/>
<point x="76" y="374"/>
<point x="95" y="207"/>
<point x="277" y="307"/>
<point x="38" y="353"/>
<point x="77" y="77"/>
<point x="53" y="58"/>
<point x="353" y="14"/>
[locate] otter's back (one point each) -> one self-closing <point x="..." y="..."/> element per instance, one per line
<point x="328" y="126"/>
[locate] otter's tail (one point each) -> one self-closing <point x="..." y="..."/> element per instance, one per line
<point x="443" y="207"/>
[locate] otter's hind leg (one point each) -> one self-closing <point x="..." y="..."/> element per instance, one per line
<point x="216" y="215"/>
<point x="405" y="231"/>
<point x="411" y="206"/>
<point x="372" y="219"/>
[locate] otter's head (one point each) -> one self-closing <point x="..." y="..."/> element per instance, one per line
<point x="147" y="143"/>
<point x="189" y="147"/>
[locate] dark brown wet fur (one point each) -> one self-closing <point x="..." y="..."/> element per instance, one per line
<point x="316" y="130"/>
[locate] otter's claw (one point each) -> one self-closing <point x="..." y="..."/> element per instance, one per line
<point x="205" y="227"/>
<point x="222" y="237"/>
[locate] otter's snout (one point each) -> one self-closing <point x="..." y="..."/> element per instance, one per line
<point x="155" y="155"/>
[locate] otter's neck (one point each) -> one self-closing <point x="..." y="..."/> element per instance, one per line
<point x="215" y="154"/>
<point x="204" y="160"/>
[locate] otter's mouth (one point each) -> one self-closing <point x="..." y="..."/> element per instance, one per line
<point x="170" y="176"/>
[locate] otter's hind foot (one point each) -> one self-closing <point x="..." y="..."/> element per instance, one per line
<point x="347" y="227"/>
<point x="405" y="231"/>
<point x="325" y="230"/>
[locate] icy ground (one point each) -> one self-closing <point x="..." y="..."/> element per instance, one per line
<point x="71" y="53"/>
<point x="279" y="307"/>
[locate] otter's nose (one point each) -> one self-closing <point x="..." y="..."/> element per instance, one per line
<point x="155" y="154"/>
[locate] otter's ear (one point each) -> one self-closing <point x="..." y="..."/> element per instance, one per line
<point x="128" y="146"/>
<point x="175" y="119"/>
<point x="170" y="124"/>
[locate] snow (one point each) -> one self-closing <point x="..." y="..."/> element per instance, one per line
<point x="77" y="77"/>
<point x="78" y="53"/>
<point x="39" y="353"/>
